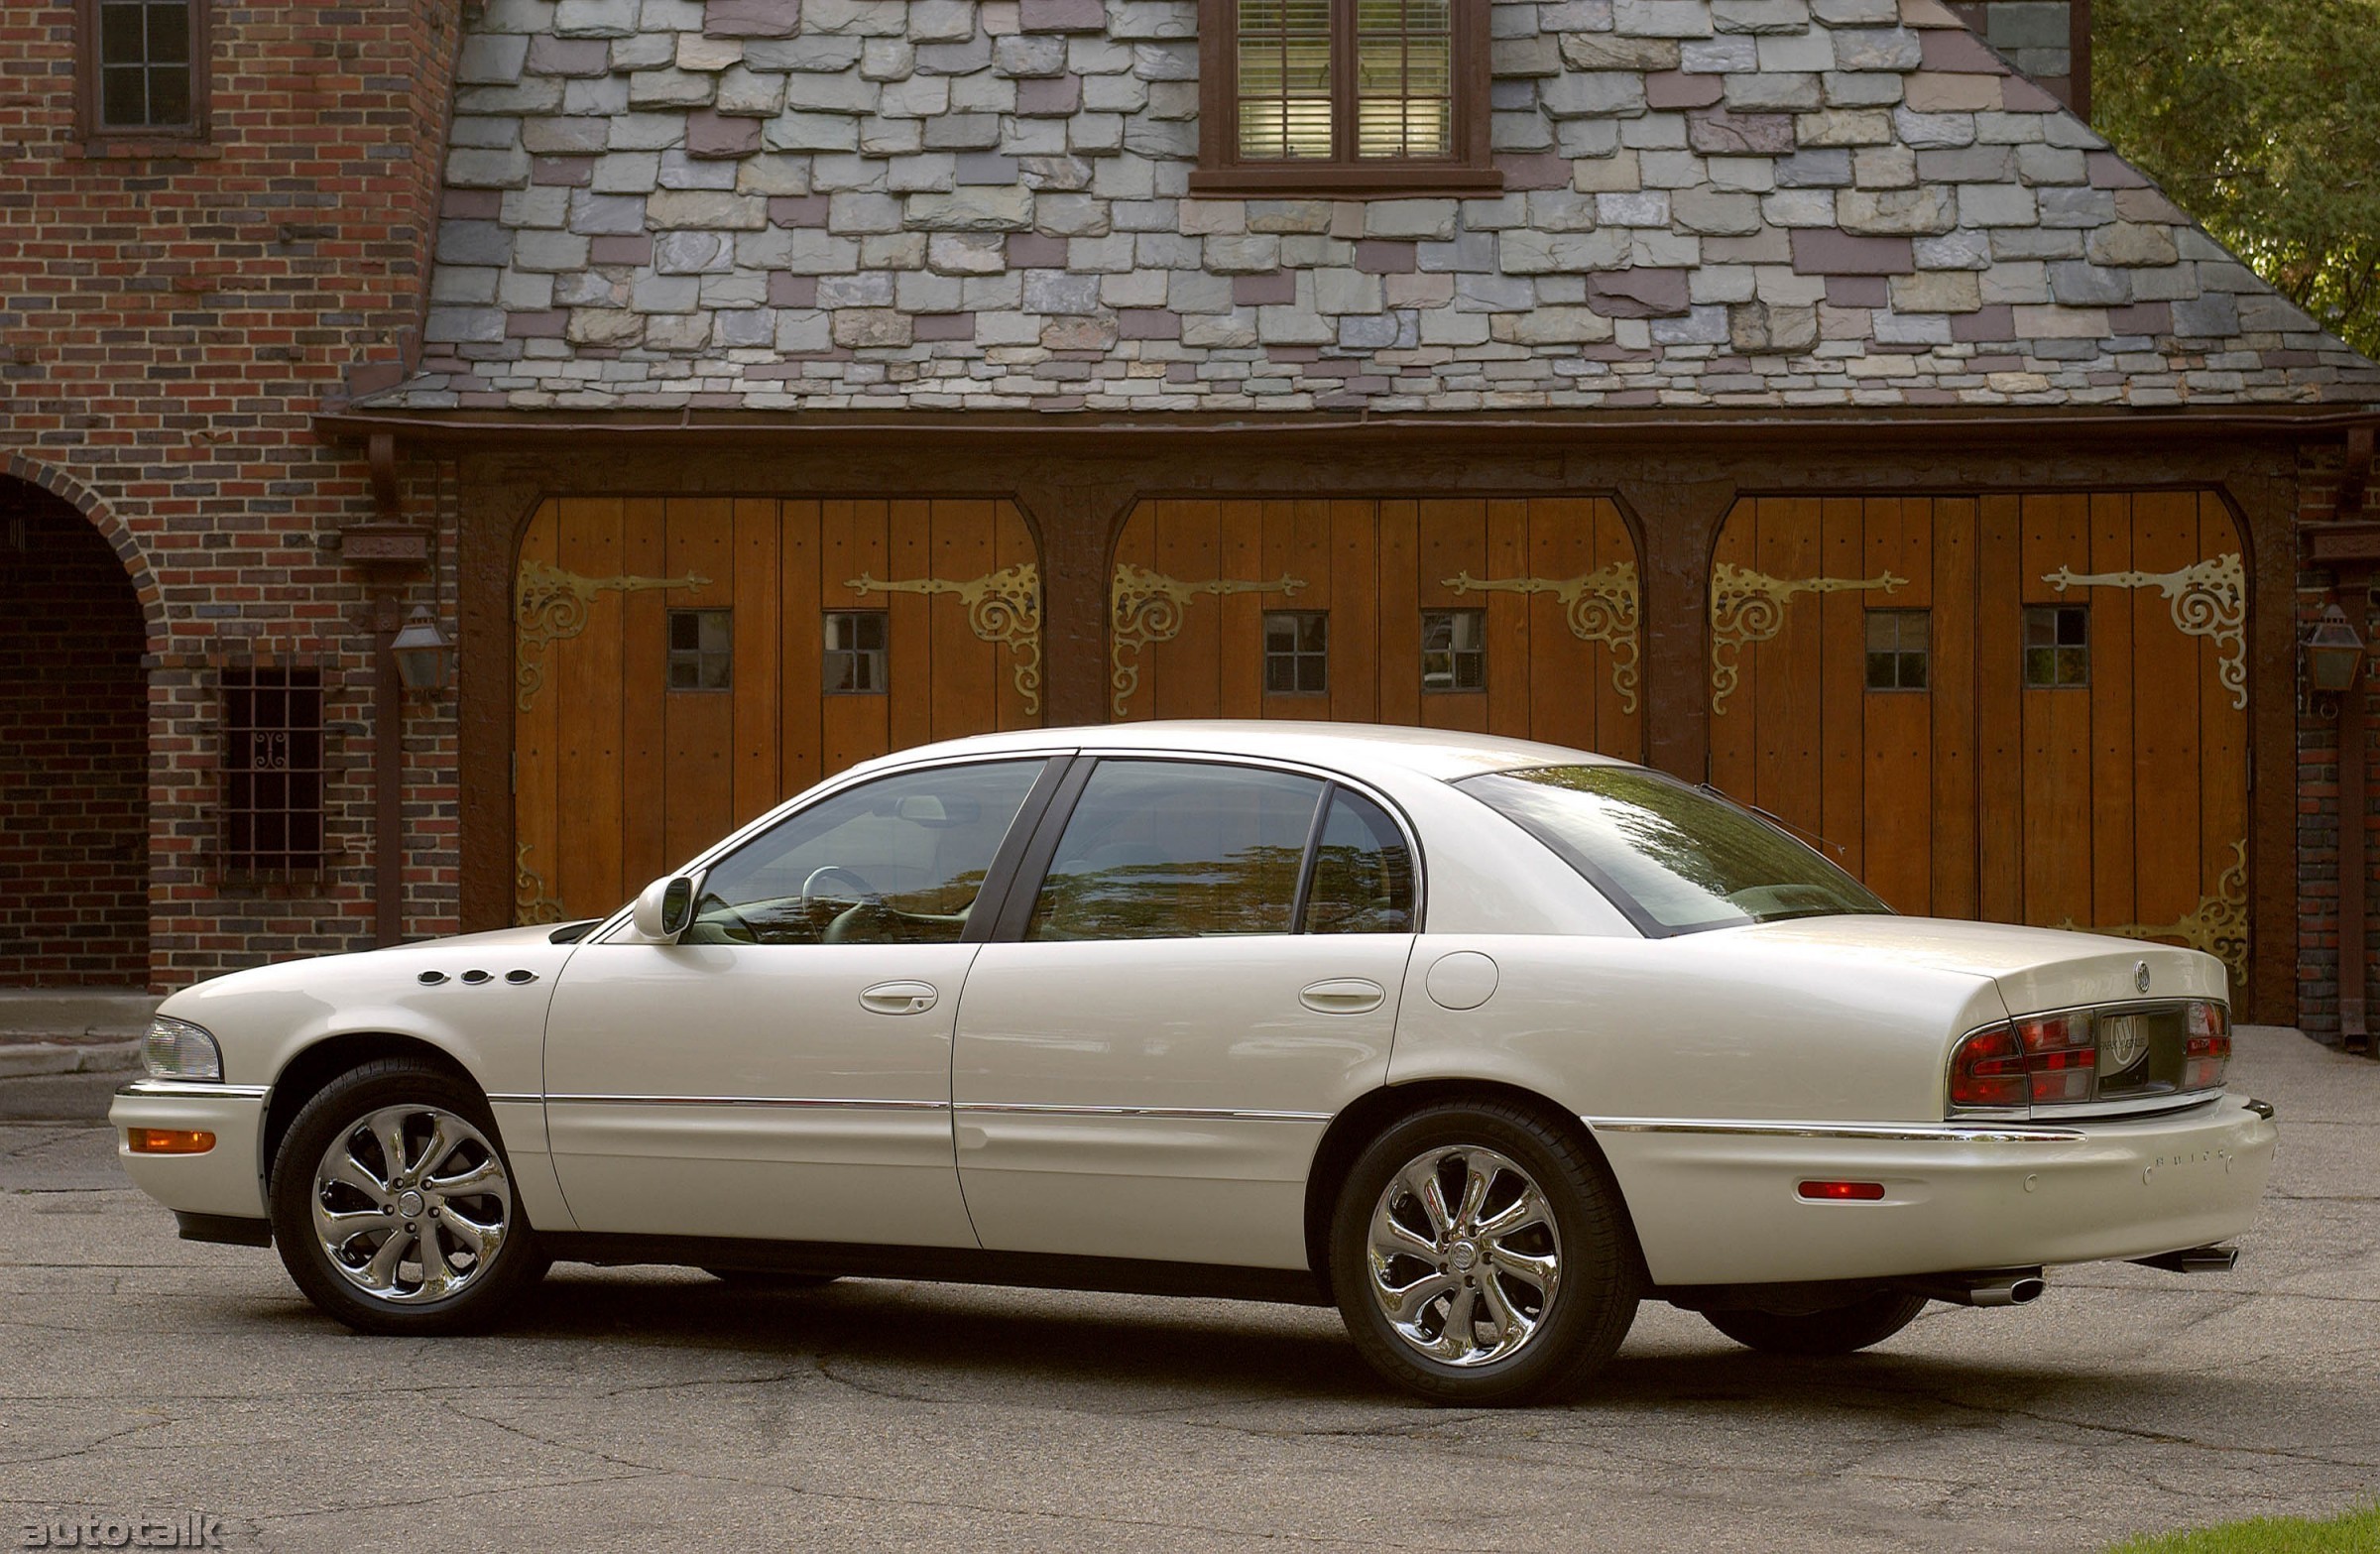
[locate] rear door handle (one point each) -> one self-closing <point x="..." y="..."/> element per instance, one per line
<point x="900" y="998"/>
<point x="1344" y="995"/>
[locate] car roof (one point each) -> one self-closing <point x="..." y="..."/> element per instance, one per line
<point x="1446" y="754"/>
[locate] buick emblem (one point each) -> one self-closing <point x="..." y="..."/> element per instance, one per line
<point x="2140" y="977"/>
<point x="2123" y="1042"/>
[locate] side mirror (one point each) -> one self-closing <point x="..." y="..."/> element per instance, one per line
<point x="665" y="908"/>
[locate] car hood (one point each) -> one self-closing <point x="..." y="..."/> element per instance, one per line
<point x="457" y="994"/>
<point x="2035" y="968"/>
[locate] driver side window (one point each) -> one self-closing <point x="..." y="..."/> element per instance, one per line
<point x="896" y="860"/>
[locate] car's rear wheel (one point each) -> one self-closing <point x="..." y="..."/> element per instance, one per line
<point x="1840" y="1330"/>
<point x="393" y="1204"/>
<point x="1480" y="1255"/>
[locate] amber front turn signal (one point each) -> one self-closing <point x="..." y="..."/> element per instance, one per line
<point x="169" y="1140"/>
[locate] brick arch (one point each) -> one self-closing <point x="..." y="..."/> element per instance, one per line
<point x="119" y="537"/>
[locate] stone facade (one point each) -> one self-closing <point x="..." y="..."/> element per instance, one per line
<point x="952" y="205"/>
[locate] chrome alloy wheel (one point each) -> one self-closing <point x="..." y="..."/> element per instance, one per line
<point x="412" y="1204"/>
<point x="1465" y="1258"/>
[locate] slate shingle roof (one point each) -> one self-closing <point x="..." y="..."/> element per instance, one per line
<point x="981" y="205"/>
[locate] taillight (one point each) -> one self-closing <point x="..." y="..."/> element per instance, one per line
<point x="2125" y="1056"/>
<point x="2062" y="1057"/>
<point x="2206" y="1049"/>
<point x="1989" y="1069"/>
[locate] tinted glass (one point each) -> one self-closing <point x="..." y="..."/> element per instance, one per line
<point x="1363" y="872"/>
<point x="1674" y="859"/>
<point x="896" y="861"/>
<point x="1174" y="850"/>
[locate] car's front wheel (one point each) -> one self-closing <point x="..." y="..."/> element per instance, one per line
<point x="1840" y="1330"/>
<point x="393" y="1204"/>
<point x="1480" y="1255"/>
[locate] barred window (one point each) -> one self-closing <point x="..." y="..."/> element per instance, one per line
<point x="272" y="770"/>
<point x="1348" y="96"/>
<point x="143" y="65"/>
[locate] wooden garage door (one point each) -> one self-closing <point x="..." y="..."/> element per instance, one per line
<point x="2091" y="774"/>
<point x="620" y="776"/>
<point x="1552" y="579"/>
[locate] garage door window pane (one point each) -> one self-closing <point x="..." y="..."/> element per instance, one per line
<point x="896" y="861"/>
<point x="1297" y="653"/>
<point x="858" y="648"/>
<point x="1363" y="872"/>
<point x="1174" y="850"/>
<point x="1899" y="649"/>
<point x="2057" y="647"/>
<point x="701" y="649"/>
<point x="1453" y="649"/>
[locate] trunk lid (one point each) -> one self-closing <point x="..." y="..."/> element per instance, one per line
<point x="2035" y="969"/>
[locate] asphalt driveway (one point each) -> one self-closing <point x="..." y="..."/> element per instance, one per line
<point x="651" y="1409"/>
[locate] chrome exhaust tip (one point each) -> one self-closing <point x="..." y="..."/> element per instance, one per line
<point x="1989" y="1290"/>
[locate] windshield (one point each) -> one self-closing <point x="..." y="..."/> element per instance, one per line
<point x="1674" y="859"/>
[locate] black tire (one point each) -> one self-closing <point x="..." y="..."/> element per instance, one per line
<point x="769" y="1278"/>
<point x="1843" y="1330"/>
<point x="1576" y="1328"/>
<point x="484" y="1287"/>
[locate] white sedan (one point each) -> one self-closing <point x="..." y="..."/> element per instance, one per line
<point x="1483" y="1041"/>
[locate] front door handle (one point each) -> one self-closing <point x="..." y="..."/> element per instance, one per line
<point x="1344" y="995"/>
<point x="900" y="998"/>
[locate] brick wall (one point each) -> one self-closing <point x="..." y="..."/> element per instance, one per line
<point x="170" y="317"/>
<point x="2318" y="767"/>
<point x="73" y="756"/>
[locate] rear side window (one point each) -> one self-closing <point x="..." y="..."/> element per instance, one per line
<point x="1673" y="859"/>
<point x="1362" y="879"/>
<point x="1178" y="850"/>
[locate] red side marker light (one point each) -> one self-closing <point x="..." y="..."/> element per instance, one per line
<point x="1843" y="1192"/>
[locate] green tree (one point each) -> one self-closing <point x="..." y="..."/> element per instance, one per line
<point x="2262" y="119"/>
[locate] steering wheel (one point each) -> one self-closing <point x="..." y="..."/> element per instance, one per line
<point x="864" y="892"/>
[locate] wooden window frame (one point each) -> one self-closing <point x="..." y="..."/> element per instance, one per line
<point x="882" y="656"/>
<point x="1455" y="655"/>
<point x="698" y="655"/>
<point x="2025" y="647"/>
<point x="1221" y="171"/>
<point x="1297" y="653"/>
<point x="1901" y="650"/>
<point x="92" y="127"/>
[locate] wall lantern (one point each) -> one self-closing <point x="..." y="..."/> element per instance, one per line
<point x="2334" y="653"/>
<point x="422" y="648"/>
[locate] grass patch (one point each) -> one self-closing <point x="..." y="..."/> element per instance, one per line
<point x="2358" y="1532"/>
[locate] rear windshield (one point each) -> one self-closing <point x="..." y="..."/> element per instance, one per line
<point x="1674" y="859"/>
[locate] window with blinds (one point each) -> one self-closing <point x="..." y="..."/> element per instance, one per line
<point x="1345" y="96"/>
<point x="1404" y="78"/>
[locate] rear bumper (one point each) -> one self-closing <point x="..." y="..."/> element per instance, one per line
<point x="1717" y="1202"/>
<point x="226" y="1182"/>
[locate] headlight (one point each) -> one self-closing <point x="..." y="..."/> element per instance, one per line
<point x="177" y="1049"/>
